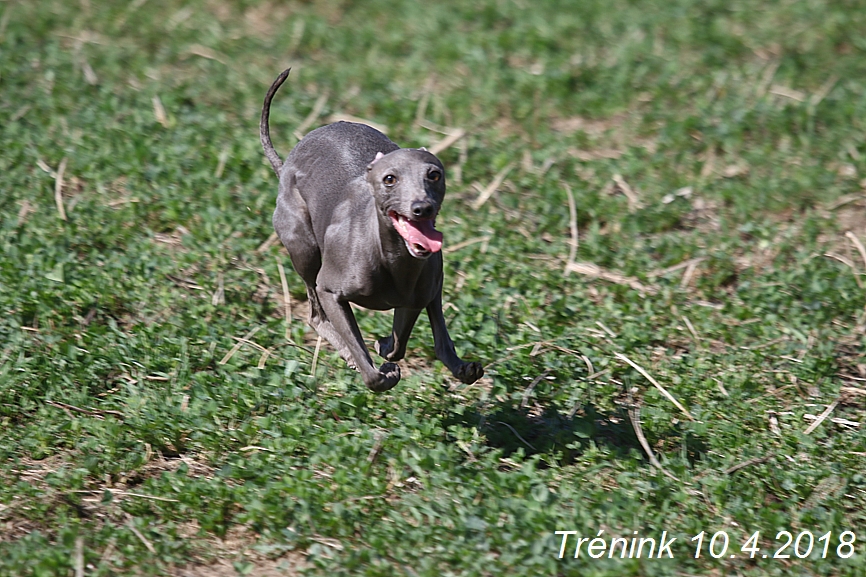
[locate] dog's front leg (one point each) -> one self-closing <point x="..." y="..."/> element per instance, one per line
<point x="466" y="372"/>
<point x="393" y="348"/>
<point x="343" y="320"/>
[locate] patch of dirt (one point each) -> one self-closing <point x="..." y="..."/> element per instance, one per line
<point x="844" y="244"/>
<point x="212" y="557"/>
<point x="173" y="240"/>
<point x="238" y="547"/>
<point x="261" y="19"/>
<point x="590" y="126"/>
<point x="611" y="136"/>
<point x="851" y="215"/>
<point x="15" y="521"/>
<point x="286" y="566"/>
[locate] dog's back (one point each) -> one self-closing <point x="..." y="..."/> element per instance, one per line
<point x="326" y="157"/>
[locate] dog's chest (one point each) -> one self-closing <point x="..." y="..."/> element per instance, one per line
<point x="376" y="286"/>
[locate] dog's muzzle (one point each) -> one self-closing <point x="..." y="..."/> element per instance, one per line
<point x="421" y="237"/>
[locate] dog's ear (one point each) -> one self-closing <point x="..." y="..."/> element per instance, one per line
<point x="378" y="156"/>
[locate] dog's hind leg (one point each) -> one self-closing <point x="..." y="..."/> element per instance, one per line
<point x="320" y="323"/>
<point x="343" y="320"/>
<point x="292" y="221"/>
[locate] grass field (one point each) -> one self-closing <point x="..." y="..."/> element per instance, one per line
<point x="693" y="361"/>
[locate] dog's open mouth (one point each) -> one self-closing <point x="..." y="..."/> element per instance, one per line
<point x="420" y="236"/>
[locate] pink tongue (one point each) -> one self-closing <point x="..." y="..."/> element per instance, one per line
<point x="422" y="232"/>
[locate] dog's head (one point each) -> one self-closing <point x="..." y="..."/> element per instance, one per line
<point x="409" y="186"/>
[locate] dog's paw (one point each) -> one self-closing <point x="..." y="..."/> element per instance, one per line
<point x="469" y="372"/>
<point x="384" y="379"/>
<point x="384" y="347"/>
<point x="349" y="359"/>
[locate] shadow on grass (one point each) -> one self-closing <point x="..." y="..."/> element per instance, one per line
<point x="561" y="437"/>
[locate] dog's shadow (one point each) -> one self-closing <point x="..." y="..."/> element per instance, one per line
<point x="560" y="437"/>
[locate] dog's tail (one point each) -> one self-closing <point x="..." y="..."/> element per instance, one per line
<point x="264" y="132"/>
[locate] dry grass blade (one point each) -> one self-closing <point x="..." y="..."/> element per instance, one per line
<point x="767" y="78"/>
<point x="207" y="53"/>
<point x="572" y="226"/>
<point x="823" y="91"/>
<point x="465" y="243"/>
<point x="5" y="21"/>
<point x="448" y="141"/>
<point x="531" y="386"/>
<point x="634" y="417"/>
<point x="689" y="274"/>
<point x="461" y="161"/>
<point x="253" y="344"/>
<point x="141" y="537"/>
<point x="744" y="464"/>
<point x="822" y="417"/>
<point x="120" y="493"/>
<point x="271" y="241"/>
<point x="836" y="421"/>
<point x="264" y="358"/>
<point x="159" y="111"/>
<point x="676" y="267"/>
<point x="43" y="166"/>
<point x="99" y="414"/>
<point x="301" y="130"/>
<point x="218" y="296"/>
<point x="655" y="383"/>
<point x="421" y="110"/>
<point x="221" y="162"/>
<point x="491" y="188"/>
<point x="349" y="118"/>
<point x="142" y="496"/>
<point x="316" y="356"/>
<point x="516" y="434"/>
<point x="774" y="423"/>
<point x="238" y="345"/>
<point x="297" y="35"/>
<point x="78" y="557"/>
<point x="849" y="263"/>
<point x="786" y="92"/>
<point x="691" y="328"/>
<point x="19" y="114"/>
<point x="595" y="271"/>
<point x="377" y="447"/>
<point x="58" y="189"/>
<point x="859" y="245"/>
<point x="606" y="329"/>
<point x="185" y="282"/>
<point x="287" y="300"/>
<point x="26" y="209"/>
<point x="845" y="199"/>
<point x="109" y="550"/>
<point x="630" y="194"/>
<point x="89" y="75"/>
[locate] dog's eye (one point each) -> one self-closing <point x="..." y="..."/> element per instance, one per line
<point x="434" y="175"/>
<point x="390" y="180"/>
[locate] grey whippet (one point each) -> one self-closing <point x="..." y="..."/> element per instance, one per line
<point x="356" y="213"/>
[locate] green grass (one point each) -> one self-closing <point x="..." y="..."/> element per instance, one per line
<point x="126" y="447"/>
